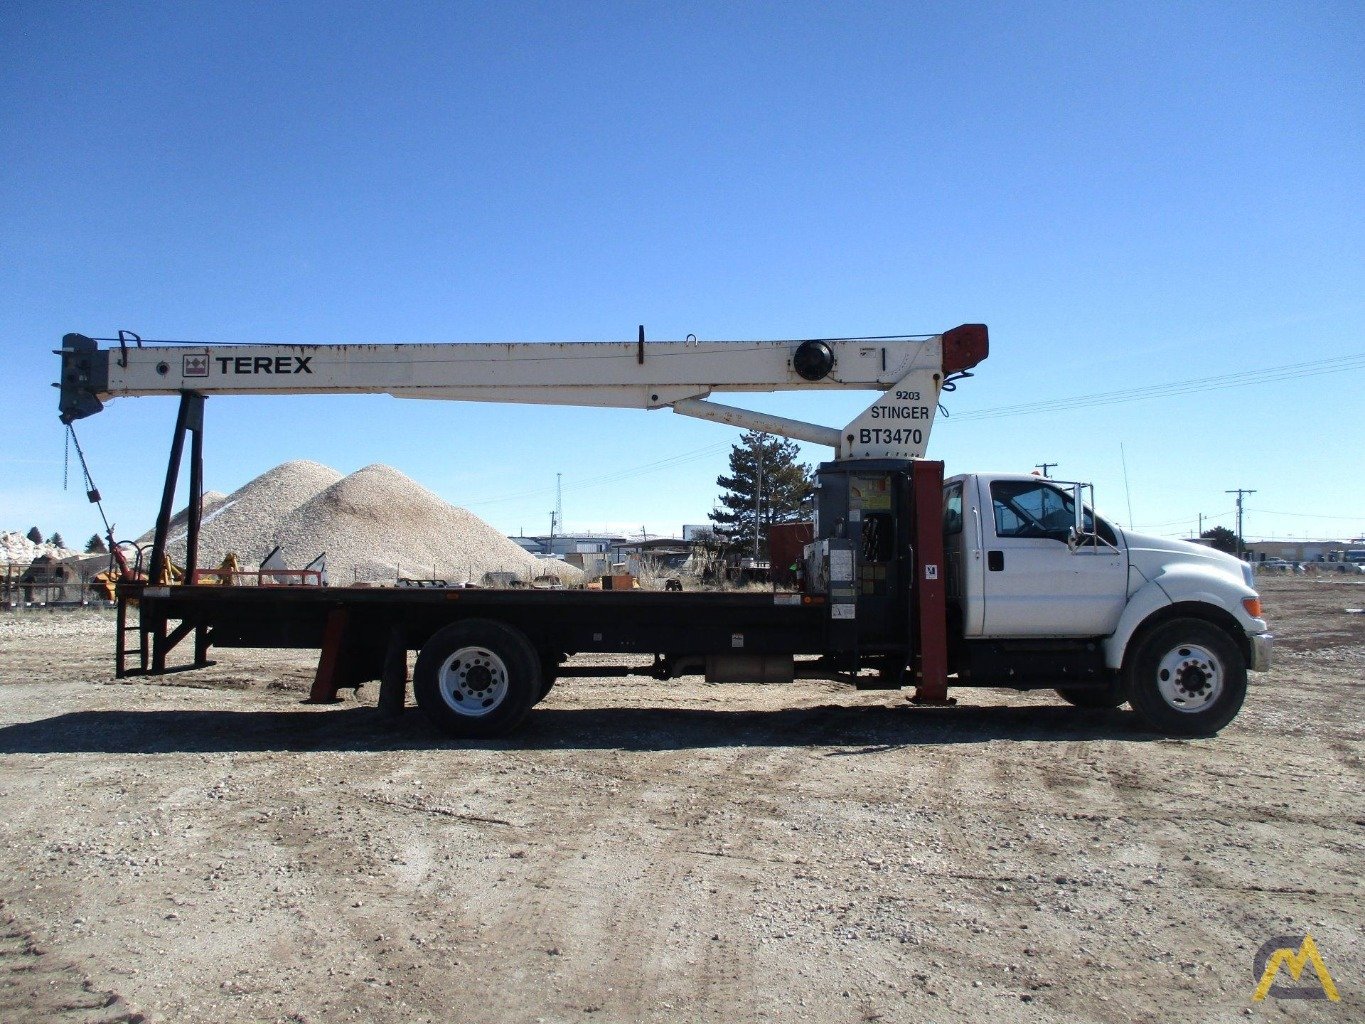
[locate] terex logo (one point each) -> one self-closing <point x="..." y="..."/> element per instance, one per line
<point x="264" y="364"/>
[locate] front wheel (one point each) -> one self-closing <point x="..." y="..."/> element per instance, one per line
<point x="1186" y="678"/>
<point x="476" y="678"/>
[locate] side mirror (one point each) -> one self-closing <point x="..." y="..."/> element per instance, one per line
<point x="1076" y="536"/>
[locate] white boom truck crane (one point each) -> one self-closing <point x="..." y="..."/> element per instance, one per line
<point x="1002" y="580"/>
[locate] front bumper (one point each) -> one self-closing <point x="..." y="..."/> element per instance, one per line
<point x="1261" y="643"/>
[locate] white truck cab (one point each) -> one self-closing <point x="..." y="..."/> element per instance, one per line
<point x="1035" y="589"/>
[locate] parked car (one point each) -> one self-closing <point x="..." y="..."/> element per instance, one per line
<point x="1272" y="565"/>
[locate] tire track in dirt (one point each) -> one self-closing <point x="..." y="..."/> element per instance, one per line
<point x="38" y="987"/>
<point x="633" y="915"/>
<point x="830" y="841"/>
<point x="612" y="905"/>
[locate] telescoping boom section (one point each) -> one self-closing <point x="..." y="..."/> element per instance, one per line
<point x="681" y="375"/>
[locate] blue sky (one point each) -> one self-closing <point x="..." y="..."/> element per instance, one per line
<point x="1128" y="195"/>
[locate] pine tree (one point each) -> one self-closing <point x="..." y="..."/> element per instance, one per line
<point x="1220" y="538"/>
<point x="34" y="534"/>
<point x="56" y="539"/>
<point x="761" y="461"/>
<point x="95" y="545"/>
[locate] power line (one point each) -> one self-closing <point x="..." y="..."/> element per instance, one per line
<point x="1206" y="518"/>
<point x="1288" y="371"/>
<point x="612" y="477"/>
<point x="653" y="467"/>
<point x="1304" y="515"/>
<point x="1203" y="518"/>
<point x="1183" y="520"/>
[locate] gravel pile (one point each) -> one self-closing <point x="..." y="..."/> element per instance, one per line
<point x="377" y="524"/>
<point x="248" y="520"/>
<point x="17" y="549"/>
<point x="213" y="500"/>
<point x="373" y="526"/>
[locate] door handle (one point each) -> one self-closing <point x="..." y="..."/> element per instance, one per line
<point x="995" y="561"/>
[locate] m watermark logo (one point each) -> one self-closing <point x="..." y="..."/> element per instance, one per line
<point x="1280" y="952"/>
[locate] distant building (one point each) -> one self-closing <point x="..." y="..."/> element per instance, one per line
<point x="597" y="553"/>
<point x="1301" y="550"/>
<point x="591" y="552"/>
<point x="662" y="553"/>
<point x="562" y="545"/>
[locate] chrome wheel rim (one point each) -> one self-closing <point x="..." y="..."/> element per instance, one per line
<point x="473" y="681"/>
<point x="1190" y="678"/>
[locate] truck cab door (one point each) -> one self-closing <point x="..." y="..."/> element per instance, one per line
<point x="1033" y="583"/>
<point x="961" y="552"/>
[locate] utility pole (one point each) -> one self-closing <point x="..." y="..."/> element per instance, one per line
<point x="1239" y="492"/>
<point x="758" y="492"/>
<point x="1201" y="525"/>
<point x="559" y="500"/>
<point x="1045" y="466"/>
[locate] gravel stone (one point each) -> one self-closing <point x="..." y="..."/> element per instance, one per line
<point x="375" y="525"/>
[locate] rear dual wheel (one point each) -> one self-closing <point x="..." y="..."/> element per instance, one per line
<point x="477" y="678"/>
<point x="549" y="675"/>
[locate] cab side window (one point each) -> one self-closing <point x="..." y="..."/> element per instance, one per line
<point x="1026" y="508"/>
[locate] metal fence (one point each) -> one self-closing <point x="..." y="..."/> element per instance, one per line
<point x="23" y="586"/>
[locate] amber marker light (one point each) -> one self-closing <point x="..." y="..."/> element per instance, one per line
<point x="1253" y="606"/>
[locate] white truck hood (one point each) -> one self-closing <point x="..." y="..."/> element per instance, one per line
<point x="1152" y="556"/>
<point x="1192" y="572"/>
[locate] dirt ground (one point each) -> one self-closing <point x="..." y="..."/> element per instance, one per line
<point x="207" y="848"/>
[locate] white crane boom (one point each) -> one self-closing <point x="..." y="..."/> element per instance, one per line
<point x="675" y="374"/>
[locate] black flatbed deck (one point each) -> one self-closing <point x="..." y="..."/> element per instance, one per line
<point x="556" y="621"/>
